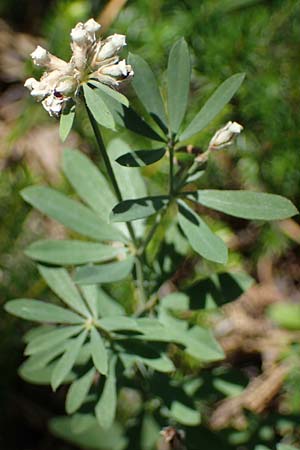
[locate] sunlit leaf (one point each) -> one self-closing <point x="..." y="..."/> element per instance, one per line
<point x="97" y="107"/>
<point x="39" y="311"/>
<point x="214" y="105"/>
<point x="248" y="205"/>
<point x="66" y="122"/>
<point x="179" y="74"/>
<point x="111" y="92"/>
<point x="70" y="213"/>
<point x="185" y="415"/>
<point x="104" y="273"/>
<point x="201" y="238"/>
<point x="59" y="280"/>
<point x="69" y="252"/>
<point x="146" y="88"/>
<point x="88" y="182"/>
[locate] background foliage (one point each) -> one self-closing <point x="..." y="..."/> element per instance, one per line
<point x="258" y="37"/>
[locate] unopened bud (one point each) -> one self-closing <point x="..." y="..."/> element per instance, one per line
<point x="66" y="86"/>
<point x="224" y="136"/>
<point x="40" y="56"/>
<point x="112" y="45"/>
<point x="92" y="26"/>
<point x="79" y="35"/>
<point x="117" y="70"/>
<point x="31" y="83"/>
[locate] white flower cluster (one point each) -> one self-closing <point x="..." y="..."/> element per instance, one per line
<point x="92" y="58"/>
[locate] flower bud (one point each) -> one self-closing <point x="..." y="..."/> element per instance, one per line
<point x="40" y="56"/>
<point x="31" y="83"/>
<point x="224" y="136"/>
<point x="117" y="70"/>
<point x="112" y="45"/>
<point x="92" y="27"/>
<point x="66" y="86"/>
<point x="80" y="36"/>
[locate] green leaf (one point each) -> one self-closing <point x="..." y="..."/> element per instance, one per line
<point x="67" y="361"/>
<point x="138" y="208"/>
<point x="88" y="182"/>
<point x="106" y="407"/>
<point x="160" y="364"/>
<point x="98" y="108"/>
<point x="90" y="293"/>
<point x="98" y="351"/>
<point x="119" y="323"/>
<point x="227" y="388"/>
<point x="201" y="344"/>
<point x="41" y="360"/>
<point x="131" y="181"/>
<point x="149" y="432"/>
<point x="141" y="158"/>
<point x="105" y="273"/>
<point x="285" y="447"/>
<point x="69" y="252"/>
<point x="214" y="105"/>
<point x="66" y="122"/>
<point x="248" y="205"/>
<point x="70" y="213"/>
<point x="179" y="75"/>
<point x="100" y="302"/>
<point x="286" y="315"/>
<point x="129" y="119"/>
<point x="51" y="339"/>
<point x="62" y="285"/>
<point x="146" y="88"/>
<point x="185" y="415"/>
<point x="111" y="92"/>
<point x="41" y="376"/>
<point x="78" y="391"/>
<point x="91" y="437"/>
<point x="38" y="311"/>
<point x="201" y="238"/>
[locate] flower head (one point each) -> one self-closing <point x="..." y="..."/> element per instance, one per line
<point x="92" y="58"/>
<point x="225" y="136"/>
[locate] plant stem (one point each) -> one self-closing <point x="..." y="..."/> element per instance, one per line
<point x="108" y="166"/>
<point x="140" y="281"/>
<point x="171" y="174"/>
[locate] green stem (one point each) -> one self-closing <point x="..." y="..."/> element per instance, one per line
<point x="102" y="148"/>
<point x="171" y="174"/>
<point x="108" y="166"/>
<point x="140" y="281"/>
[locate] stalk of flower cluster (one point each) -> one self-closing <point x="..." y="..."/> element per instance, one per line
<point x="103" y="152"/>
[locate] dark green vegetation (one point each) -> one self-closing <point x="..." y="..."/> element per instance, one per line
<point x="256" y="37"/>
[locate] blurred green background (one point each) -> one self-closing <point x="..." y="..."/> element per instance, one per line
<point x="259" y="37"/>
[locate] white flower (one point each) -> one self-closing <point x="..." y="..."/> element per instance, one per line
<point x="91" y="59"/>
<point x="117" y="70"/>
<point x="112" y="45"/>
<point x="54" y="104"/>
<point x="40" y="56"/>
<point x="225" y="136"/>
